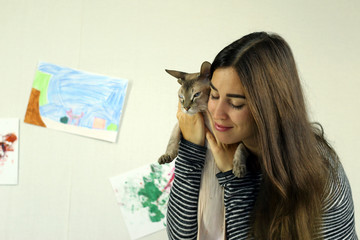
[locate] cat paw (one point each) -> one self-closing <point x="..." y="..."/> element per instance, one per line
<point x="239" y="163"/>
<point x="239" y="171"/>
<point x="239" y="168"/>
<point x="165" y="159"/>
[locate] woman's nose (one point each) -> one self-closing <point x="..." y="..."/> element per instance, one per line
<point x="220" y="111"/>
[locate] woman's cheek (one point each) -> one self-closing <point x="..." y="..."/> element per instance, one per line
<point x="211" y="106"/>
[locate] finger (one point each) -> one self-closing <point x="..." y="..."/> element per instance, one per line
<point x="200" y="117"/>
<point x="211" y="139"/>
<point x="179" y="112"/>
<point x="210" y="119"/>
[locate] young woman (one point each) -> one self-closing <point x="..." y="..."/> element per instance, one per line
<point x="295" y="186"/>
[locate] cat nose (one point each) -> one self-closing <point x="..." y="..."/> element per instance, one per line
<point x="187" y="108"/>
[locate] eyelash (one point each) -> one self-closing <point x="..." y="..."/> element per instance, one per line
<point x="213" y="97"/>
<point x="232" y="105"/>
<point x="237" y="107"/>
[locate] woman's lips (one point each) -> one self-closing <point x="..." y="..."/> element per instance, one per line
<point x="221" y="128"/>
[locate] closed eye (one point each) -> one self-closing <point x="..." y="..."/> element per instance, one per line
<point x="212" y="96"/>
<point x="237" y="106"/>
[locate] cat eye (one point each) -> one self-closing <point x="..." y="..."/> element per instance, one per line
<point x="197" y="94"/>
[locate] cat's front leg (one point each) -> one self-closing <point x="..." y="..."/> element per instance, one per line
<point x="239" y="162"/>
<point x="172" y="147"/>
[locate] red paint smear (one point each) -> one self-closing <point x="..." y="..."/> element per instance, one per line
<point x="168" y="185"/>
<point x="11" y="137"/>
<point x="6" y="144"/>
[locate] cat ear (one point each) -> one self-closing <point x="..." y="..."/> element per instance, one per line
<point x="176" y="74"/>
<point x="181" y="81"/>
<point x="205" y="69"/>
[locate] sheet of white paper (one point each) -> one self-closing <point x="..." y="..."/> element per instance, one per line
<point x="9" y="150"/>
<point x="142" y="195"/>
<point x="76" y="101"/>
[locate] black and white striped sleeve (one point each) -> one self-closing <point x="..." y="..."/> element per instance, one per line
<point x="239" y="198"/>
<point x="338" y="216"/>
<point x="183" y="202"/>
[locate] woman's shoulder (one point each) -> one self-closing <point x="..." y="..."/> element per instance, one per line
<point x="338" y="208"/>
<point x="337" y="204"/>
<point x="337" y="190"/>
<point x="336" y="181"/>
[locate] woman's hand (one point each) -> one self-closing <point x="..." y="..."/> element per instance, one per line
<point x="223" y="153"/>
<point x="192" y="127"/>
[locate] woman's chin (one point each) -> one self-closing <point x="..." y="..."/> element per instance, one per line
<point x="224" y="139"/>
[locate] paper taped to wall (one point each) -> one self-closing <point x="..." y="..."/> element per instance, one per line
<point x="9" y="151"/>
<point x="76" y="101"/>
<point x="142" y="195"/>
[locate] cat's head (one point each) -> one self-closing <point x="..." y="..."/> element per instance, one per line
<point x="194" y="90"/>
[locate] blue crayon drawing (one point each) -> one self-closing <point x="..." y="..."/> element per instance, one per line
<point x="76" y="101"/>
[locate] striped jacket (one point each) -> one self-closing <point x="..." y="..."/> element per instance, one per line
<point x="239" y="199"/>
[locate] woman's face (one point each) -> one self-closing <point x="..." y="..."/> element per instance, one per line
<point x="232" y="119"/>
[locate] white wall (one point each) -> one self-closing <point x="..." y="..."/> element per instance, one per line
<point x="63" y="190"/>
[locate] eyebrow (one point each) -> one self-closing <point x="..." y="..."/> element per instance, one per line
<point x="231" y="95"/>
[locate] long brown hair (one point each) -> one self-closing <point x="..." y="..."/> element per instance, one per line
<point x="294" y="171"/>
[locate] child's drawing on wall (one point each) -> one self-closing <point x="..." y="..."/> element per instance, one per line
<point x="9" y="132"/>
<point x="142" y="195"/>
<point x="76" y="101"/>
